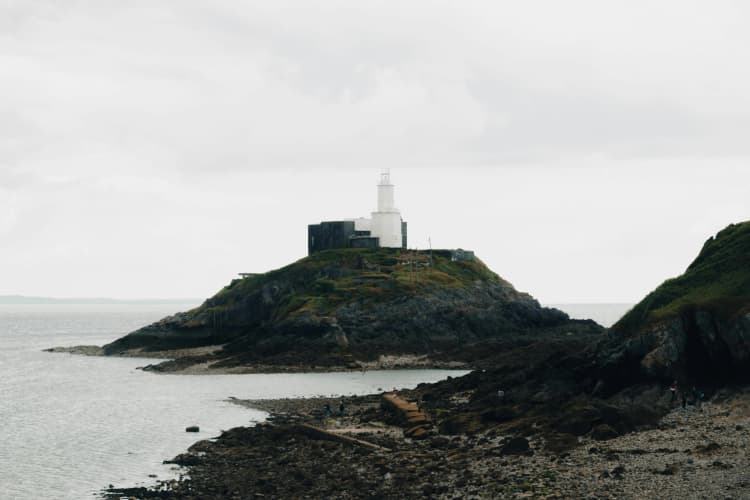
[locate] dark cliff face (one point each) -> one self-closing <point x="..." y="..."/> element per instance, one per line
<point x="696" y="346"/>
<point x="355" y="303"/>
<point x="695" y="327"/>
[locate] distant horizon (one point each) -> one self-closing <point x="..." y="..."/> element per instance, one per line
<point x="40" y="299"/>
<point x="604" y="313"/>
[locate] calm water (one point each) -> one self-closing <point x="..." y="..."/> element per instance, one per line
<point x="73" y="424"/>
<point x="604" y="314"/>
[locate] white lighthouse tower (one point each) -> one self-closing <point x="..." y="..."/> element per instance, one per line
<point x="386" y="222"/>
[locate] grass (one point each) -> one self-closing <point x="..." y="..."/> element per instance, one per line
<point x="322" y="282"/>
<point x="718" y="281"/>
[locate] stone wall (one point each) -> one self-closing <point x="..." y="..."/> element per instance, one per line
<point x="328" y="235"/>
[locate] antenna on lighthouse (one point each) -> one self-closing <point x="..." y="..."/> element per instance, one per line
<point x="429" y="240"/>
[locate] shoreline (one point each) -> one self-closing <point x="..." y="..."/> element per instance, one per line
<point x="185" y="362"/>
<point x="689" y="454"/>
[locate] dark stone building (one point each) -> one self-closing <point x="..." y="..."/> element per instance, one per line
<point x="332" y="234"/>
<point x="342" y="234"/>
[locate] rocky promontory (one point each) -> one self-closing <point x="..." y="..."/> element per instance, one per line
<point x="693" y="328"/>
<point x="352" y="308"/>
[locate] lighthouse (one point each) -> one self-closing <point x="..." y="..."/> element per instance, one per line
<point x="386" y="221"/>
<point x="384" y="229"/>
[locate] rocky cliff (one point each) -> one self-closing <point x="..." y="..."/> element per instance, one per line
<point x="695" y="327"/>
<point x="344" y="306"/>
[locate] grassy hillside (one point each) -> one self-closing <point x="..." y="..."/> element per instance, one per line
<point x="717" y="281"/>
<point x="320" y="283"/>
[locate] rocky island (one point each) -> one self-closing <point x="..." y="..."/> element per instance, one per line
<point x="350" y="309"/>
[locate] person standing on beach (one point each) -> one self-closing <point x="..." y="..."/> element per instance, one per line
<point x="326" y="414"/>
<point x="341" y="408"/>
<point x="328" y="410"/>
<point x="684" y="399"/>
<point x="673" y="390"/>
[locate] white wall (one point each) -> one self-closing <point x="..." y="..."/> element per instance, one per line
<point x="387" y="227"/>
<point x="362" y="224"/>
<point x="385" y="198"/>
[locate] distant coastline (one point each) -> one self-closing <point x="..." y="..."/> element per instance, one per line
<point x="22" y="299"/>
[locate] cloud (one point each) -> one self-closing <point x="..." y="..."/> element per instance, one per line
<point x="225" y="85"/>
<point x="163" y="134"/>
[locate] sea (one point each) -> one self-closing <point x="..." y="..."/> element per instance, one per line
<point x="604" y="314"/>
<point x="72" y="425"/>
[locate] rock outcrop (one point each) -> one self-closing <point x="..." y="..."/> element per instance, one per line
<point x="695" y="327"/>
<point x="338" y="307"/>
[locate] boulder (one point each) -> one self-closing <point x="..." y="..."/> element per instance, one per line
<point x="517" y="446"/>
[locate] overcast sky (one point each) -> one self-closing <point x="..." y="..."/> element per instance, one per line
<point x="584" y="150"/>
